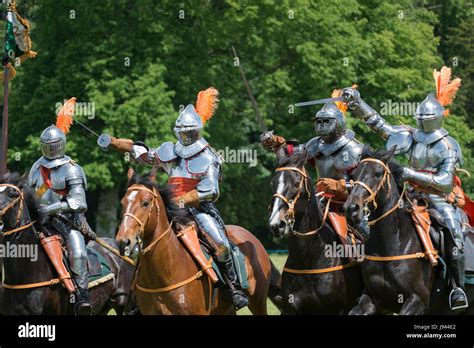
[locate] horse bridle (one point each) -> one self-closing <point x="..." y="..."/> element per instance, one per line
<point x="11" y="205"/>
<point x="291" y="203"/>
<point x="142" y="224"/>
<point x="373" y="193"/>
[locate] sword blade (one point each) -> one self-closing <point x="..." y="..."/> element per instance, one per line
<point x="320" y="101"/>
<point x="83" y="125"/>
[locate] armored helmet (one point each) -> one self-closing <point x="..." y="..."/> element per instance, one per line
<point x="191" y="120"/>
<point x="429" y="114"/>
<point x="53" y="142"/>
<point x="330" y="122"/>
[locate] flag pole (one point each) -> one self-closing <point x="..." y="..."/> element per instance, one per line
<point x="4" y="156"/>
<point x="3" y="164"/>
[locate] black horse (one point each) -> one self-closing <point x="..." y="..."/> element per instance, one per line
<point x="48" y="299"/>
<point x="333" y="291"/>
<point x="407" y="286"/>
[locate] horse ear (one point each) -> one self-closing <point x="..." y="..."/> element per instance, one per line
<point x="23" y="180"/>
<point x="130" y="173"/>
<point x="390" y="153"/>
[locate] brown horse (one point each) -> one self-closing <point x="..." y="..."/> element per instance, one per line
<point x="168" y="280"/>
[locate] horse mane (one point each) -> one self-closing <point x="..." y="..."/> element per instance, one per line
<point x="297" y="159"/>
<point x="172" y="209"/>
<point x="386" y="156"/>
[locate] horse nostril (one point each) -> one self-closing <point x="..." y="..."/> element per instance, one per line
<point x="127" y="242"/>
<point x="282" y="224"/>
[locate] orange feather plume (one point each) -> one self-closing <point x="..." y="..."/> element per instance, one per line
<point x="207" y="103"/>
<point x="340" y="104"/>
<point x="64" y="119"/>
<point x="445" y="88"/>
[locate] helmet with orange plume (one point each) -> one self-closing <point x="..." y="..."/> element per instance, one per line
<point x="53" y="138"/>
<point x="191" y="120"/>
<point x="430" y="113"/>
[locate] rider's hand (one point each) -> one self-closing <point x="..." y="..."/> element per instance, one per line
<point x="121" y="145"/>
<point x="352" y="96"/>
<point x="43" y="214"/>
<point x="270" y="141"/>
<point x="189" y="199"/>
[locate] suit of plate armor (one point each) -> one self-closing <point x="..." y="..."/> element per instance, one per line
<point x="65" y="193"/>
<point x="193" y="166"/>
<point x="334" y="151"/>
<point x="433" y="158"/>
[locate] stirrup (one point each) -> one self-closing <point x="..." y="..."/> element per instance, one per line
<point x="464" y="305"/>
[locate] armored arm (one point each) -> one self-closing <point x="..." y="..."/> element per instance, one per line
<point x="75" y="198"/>
<point x="442" y="180"/>
<point x="362" y="110"/>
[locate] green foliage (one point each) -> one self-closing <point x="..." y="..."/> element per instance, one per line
<point x="140" y="63"/>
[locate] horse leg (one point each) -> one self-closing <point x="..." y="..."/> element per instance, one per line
<point x="365" y="306"/>
<point x="414" y="305"/>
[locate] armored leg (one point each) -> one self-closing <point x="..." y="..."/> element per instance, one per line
<point x="457" y="297"/>
<point x="78" y="261"/>
<point x="215" y="230"/>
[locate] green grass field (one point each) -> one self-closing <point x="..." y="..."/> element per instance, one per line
<point x="279" y="261"/>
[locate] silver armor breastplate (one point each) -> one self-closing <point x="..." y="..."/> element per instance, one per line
<point x="338" y="164"/>
<point x="58" y="176"/>
<point x="428" y="156"/>
<point x="194" y="167"/>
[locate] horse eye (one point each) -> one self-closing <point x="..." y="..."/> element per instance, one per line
<point x="146" y="203"/>
<point x="12" y="194"/>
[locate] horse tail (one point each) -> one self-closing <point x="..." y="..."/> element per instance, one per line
<point x="274" y="290"/>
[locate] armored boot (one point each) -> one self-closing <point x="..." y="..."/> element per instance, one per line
<point x="81" y="276"/>
<point x="234" y="294"/>
<point x="457" y="297"/>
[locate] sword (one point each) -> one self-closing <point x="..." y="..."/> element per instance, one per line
<point x="103" y="140"/>
<point x="321" y="101"/>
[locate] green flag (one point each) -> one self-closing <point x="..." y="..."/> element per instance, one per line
<point x="17" y="39"/>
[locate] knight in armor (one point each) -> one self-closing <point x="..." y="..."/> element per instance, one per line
<point x="59" y="186"/>
<point x="334" y="151"/>
<point x="194" y="170"/>
<point x="433" y="157"/>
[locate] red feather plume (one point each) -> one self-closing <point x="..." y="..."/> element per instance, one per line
<point x="207" y="103"/>
<point x="445" y="88"/>
<point x="64" y="119"/>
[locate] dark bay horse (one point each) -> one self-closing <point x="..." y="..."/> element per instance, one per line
<point x="403" y="286"/>
<point x="331" y="284"/>
<point x="168" y="280"/>
<point x="15" y="206"/>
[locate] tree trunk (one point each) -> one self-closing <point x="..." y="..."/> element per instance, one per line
<point x="106" y="215"/>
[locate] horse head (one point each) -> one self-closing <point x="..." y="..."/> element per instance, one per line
<point x="140" y="211"/>
<point x="373" y="186"/>
<point x="11" y="199"/>
<point x="291" y="192"/>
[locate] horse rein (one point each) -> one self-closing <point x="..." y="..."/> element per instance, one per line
<point x="9" y="206"/>
<point x="373" y="193"/>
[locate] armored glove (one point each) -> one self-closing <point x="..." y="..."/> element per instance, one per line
<point x="335" y="188"/>
<point x="121" y="145"/>
<point x="189" y="199"/>
<point x="352" y="96"/>
<point x="46" y="211"/>
<point x="271" y="141"/>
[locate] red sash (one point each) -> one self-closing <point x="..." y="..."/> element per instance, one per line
<point x="45" y="174"/>
<point x="180" y="186"/>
